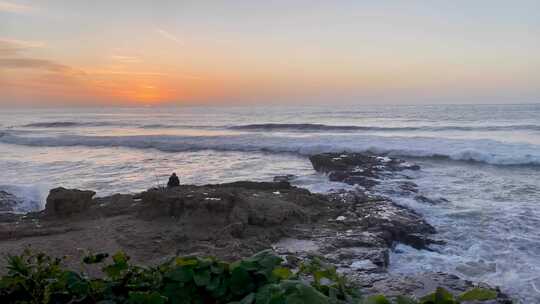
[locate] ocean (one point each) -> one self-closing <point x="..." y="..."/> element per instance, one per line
<point x="480" y="166"/>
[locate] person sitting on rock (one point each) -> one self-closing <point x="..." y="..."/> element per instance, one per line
<point x="174" y="181"/>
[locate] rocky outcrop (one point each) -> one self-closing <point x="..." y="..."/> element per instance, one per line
<point x="63" y="202"/>
<point x="423" y="283"/>
<point x="357" y="168"/>
<point x="357" y="233"/>
<point x="284" y="178"/>
<point x="235" y="207"/>
<point x="229" y="221"/>
<point x="390" y="221"/>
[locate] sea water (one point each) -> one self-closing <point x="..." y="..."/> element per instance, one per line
<point x="480" y="166"/>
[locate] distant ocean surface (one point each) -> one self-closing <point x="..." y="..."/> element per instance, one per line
<point x="484" y="160"/>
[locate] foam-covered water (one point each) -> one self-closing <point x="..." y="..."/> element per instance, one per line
<point x="484" y="159"/>
<point x="490" y="221"/>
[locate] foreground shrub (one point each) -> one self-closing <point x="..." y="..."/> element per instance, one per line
<point x="260" y="279"/>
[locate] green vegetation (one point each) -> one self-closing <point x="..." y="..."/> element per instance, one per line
<point x="260" y="279"/>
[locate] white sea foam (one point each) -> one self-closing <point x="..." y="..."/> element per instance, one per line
<point x="313" y="127"/>
<point x="32" y="198"/>
<point x="479" y="150"/>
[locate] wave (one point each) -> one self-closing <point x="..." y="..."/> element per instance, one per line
<point x="300" y="127"/>
<point x="31" y="198"/>
<point x="323" y="127"/>
<point x="68" y="124"/>
<point x="480" y="150"/>
<point x="167" y="126"/>
<point x="73" y="124"/>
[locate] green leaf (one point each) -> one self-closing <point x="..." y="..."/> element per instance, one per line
<point x="221" y="290"/>
<point x="478" y="294"/>
<point x="282" y="273"/>
<point x="17" y="265"/>
<point x="176" y="293"/>
<point x="202" y="277"/>
<point x="95" y="258"/>
<point x="186" y="261"/>
<point x="267" y="259"/>
<point x="303" y="293"/>
<point x="180" y="274"/>
<point x="333" y="293"/>
<point x="213" y="284"/>
<point x="240" y="282"/>
<point x="120" y="258"/>
<point x="120" y="264"/>
<point x="260" y="279"/>
<point x="248" y="299"/>
<point x="136" y="297"/>
<point x="440" y="296"/>
<point x="76" y="284"/>
<point x="405" y="300"/>
<point x="219" y="267"/>
<point x="377" y="299"/>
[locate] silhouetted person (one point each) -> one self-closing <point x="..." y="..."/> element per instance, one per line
<point x="174" y="181"/>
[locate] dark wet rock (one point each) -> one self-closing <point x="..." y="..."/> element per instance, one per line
<point x="284" y="178"/>
<point x="227" y="203"/>
<point x="395" y="223"/>
<point x="8" y="201"/>
<point x="237" y="210"/>
<point x="357" y="168"/>
<point x="433" y="201"/>
<point x="63" y="202"/>
<point x="229" y="221"/>
<point x="328" y="162"/>
<point x="363" y="239"/>
<point x="9" y="217"/>
<point x="249" y="185"/>
<point x="409" y="186"/>
<point x="362" y="181"/>
<point x="115" y="204"/>
<point x="419" y="285"/>
<point x="357" y="233"/>
<point x="390" y="221"/>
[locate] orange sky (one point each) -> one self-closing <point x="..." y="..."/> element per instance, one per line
<point x="127" y="52"/>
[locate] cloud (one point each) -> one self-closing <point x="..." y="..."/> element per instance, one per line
<point x="10" y="57"/>
<point x="168" y="35"/>
<point x="126" y="59"/>
<point x="10" y="47"/>
<point x="116" y="72"/>
<point x="140" y="73"/>
<point x="30" y="63"/>
<point x="11" y="7"/>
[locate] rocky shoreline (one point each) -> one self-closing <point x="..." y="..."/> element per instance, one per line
<point x="354" y="230"/>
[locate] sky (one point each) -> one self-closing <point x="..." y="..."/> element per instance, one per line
<point x="129" y="52"/>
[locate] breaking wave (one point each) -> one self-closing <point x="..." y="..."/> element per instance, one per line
<point x="478" y="150"/>
<point x="68" y="124"/>
<point x="73" y="124"/>
<point x="323" y="127"/>
<point x="30" y="198"/>
<point x="300" y="127"/>
<point x="169" y="126"/>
